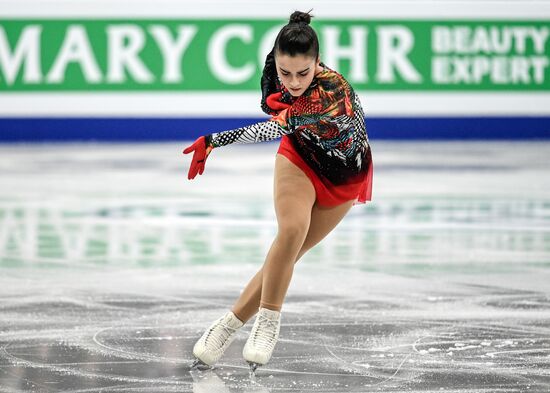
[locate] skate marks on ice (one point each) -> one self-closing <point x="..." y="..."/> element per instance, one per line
<point x="401" y="334"/>
<point x="108" y="279"/>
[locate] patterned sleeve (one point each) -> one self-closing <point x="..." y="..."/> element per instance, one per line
<point x="258" y="132"/>
<point x="315" y="111"/>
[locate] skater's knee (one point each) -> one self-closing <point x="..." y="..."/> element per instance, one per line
<point x="292" y="231"/>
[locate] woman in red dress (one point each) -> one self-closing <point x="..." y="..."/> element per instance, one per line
<point x="323" y="167"/>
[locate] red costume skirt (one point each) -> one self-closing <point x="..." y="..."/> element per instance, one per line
<point x="329" y="195"/>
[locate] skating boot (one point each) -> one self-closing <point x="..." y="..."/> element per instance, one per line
<point x="215" y="340"/>
<point x="263" y="337"/>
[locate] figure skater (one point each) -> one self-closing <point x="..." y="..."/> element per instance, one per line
<point x="323" y="167"/>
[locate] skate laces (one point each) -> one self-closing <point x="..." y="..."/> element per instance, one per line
<point x="219" y="339"/>
<point x="265" y="332"/>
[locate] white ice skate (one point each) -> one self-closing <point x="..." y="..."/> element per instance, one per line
<point x="215" y="340"/>
<point x="263" y="337"/>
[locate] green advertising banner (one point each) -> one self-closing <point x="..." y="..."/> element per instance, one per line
<point x="215" y="55"/>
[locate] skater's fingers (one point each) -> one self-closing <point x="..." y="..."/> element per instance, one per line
<point x="194" y="146"/>
<point x="192" y="170"/>
<point x="189" y="149"/>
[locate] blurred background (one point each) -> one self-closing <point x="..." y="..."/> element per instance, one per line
<point x="169" y="70"/>
<point x="112" y="263"/>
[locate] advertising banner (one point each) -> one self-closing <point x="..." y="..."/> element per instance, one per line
<point x="80" y="68"/>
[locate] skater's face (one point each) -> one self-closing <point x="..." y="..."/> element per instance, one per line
<point x="296" y="72"/>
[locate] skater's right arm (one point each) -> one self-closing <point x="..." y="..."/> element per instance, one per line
<point x="258" y="132"/>
<point x="276" y="101"/>
<point x="273" y="128"/>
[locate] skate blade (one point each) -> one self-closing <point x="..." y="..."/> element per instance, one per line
<point x="253" y="367"/>
<point x="199" y="365"/>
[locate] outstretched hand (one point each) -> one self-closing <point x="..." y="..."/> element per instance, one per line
<point x="201" y="152"/>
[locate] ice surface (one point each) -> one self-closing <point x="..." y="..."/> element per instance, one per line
<point x="112" y="264"/>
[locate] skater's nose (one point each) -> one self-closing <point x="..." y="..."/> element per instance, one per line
<point x="294" y="83"/>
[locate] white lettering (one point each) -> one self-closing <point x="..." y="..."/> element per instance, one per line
<point x="520" y="34"/>
<point x="356" y="51"/>
<point x="440" y="67"/>
<point x="499" y="72"/>
<point x="500" y="69"/>
<point x="441" y="39"/>
<point x="392" y="57"/>
<point x="481" y="68"/>
<point x="505" y="44"/>
<point x="124" y="43"/>
<point x="461" y="39"/>
<point x="481" y="41"/>
<point x="539" y="38"/>
<point x="76" y="48"/>
<point x="27" y="50"/>
<point x="217" y="59"/>
<point x="519" y="70"/>
<point x="172" y="50"/>
<point x="539" y="63"/>
<point x="266" y="44"/>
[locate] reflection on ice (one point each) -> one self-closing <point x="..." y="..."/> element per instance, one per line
<point x="209" y="382"/>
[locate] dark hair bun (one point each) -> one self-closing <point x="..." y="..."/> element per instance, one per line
<point x="299" y="16"/>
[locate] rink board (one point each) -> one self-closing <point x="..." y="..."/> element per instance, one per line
<point x="153" y="129"/>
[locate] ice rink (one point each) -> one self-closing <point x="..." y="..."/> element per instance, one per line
<point x="112" y="264"/>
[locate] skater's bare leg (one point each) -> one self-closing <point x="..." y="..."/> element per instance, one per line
<point x="322" y="221"/>
<point x="294" y="196"/>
